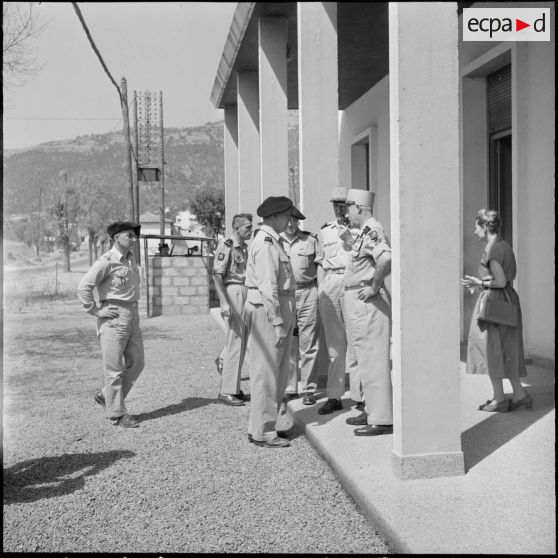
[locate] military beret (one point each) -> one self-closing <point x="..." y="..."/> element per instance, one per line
<point x="274" y="204"/>
<point x="119" y="226"/>
<point x="296" y="213"/>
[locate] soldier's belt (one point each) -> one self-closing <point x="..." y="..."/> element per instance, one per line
<point x="234" y="283"/>
<point x="125" y="303"/>
<point x="288" y="292"/>
<point x="358" y="285"/>
<point x="305" y="284"/>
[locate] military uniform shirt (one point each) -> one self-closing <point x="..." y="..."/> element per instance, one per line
<point x="230" y="261"/>
<point x="268" y="272"/>
<point x="303" y="251"/>
<point x="114" y="276"/>
<point x="367" y="248"/>
<point x="332" y="252"/>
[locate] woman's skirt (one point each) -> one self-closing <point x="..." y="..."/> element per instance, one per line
<point x="494" y="349"/>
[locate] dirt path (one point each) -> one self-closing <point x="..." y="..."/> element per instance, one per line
<point x="187" y="480"/>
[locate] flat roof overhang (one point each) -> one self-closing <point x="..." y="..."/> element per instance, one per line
<point x="363" y="37"/>
<point x="362" y="46"/>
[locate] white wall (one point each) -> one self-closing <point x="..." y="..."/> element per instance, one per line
<point x="372" y="109"/>
<point x="533" y="137"/>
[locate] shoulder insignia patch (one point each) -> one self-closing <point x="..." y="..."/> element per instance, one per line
<point x="268" y="239"/>
<point x="373" y="235"/>
<point x="366" y="230"/>
<point x="228" y="242"/>
<point x="221" y="256"/>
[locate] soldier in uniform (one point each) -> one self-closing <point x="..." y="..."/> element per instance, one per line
<point x="368" y="314"/>
<point x="302" y="248"/>
<point x="116" y="278"/>
<point x="332" y="259"/>
<point x="229" y="271"/>
<point x="269" y="316"/>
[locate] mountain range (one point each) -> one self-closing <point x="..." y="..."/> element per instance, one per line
<point x="193" y="160"/>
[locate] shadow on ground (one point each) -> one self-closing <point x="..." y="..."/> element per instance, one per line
<point x="188" y="404"/>
<point x="48" y="477"/>
<point x="484" y="438"/>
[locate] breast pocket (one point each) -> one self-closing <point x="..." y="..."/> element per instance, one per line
<point x="306" y="257"/>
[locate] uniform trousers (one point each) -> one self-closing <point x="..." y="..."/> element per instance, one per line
<point x="235" y="342"/>
<point x="269" y="366"/>
<point x="123" y="356"/>
<point x="369" y="328"/>
<point x="341" y="353"/>
<point x="304" y="348"/>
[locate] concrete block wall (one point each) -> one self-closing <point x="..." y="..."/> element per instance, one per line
<point x="179" y="285"/>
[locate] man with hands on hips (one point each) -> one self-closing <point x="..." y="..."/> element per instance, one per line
<point x="115" y="277"/>
<point x="368" y="314"/>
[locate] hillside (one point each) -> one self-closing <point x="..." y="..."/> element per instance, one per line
<point x="194" y="159"/>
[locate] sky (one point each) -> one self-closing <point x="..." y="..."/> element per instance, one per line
<point x="173" y="47"/>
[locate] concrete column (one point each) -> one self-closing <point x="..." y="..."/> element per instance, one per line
<point x="249" y="181"/>
<point x="318" y="110"/>
<point x="232" y="192"/>
<point x="274" y="142"/>
<point x="425" y="209"/>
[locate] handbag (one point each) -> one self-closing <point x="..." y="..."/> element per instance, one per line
<point x="496" y="310"/>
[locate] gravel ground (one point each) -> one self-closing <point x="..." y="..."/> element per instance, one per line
<point x="187" y="480"/>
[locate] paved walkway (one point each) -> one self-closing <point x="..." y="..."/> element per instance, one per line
<point x="505" y="502"/>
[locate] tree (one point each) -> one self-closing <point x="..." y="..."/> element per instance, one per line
<point x="20" y="24"/>
<point x="209" y="207"/>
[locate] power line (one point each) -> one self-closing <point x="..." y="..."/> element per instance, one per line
<point x="94" y="47"/>
<point x="54" y="118"/>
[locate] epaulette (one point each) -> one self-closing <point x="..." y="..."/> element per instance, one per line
<point x="229" y="242"/>
<point x="366" y="230"/>
<point x="324" y="225"/>
<point x="306" y="232"/>
<point x="268" y="239"/>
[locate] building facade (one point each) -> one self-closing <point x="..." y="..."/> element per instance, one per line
<point x="391" y="99"/>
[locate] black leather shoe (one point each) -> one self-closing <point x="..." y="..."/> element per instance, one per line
<point x="290" y="395"/>
<point x="243" y="396"/>
<point x="374" y="430"/>
<point x="229" y="399"/>
<point x="126" y="421"/>
<point x="330" y="406"/>
<point x="309" y="399"/>
<point x="100" y="399"/>
<point x="275" y="443"/>
<point x="359" y="406"/>
<point x="360" y="420"/>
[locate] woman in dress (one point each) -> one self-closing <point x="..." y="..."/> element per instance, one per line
<point x="494" y="349"/>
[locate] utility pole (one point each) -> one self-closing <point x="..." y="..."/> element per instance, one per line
<point x="65" y="227"/>
<point x="39" y="219"/>
<point x="162" y="222"/>
<point x="126" y="118"/>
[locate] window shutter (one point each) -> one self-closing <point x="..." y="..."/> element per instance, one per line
<point x="499" y="100"/>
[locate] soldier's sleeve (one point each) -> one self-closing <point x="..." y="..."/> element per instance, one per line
<point x="267" y="270"/>
<point x="376" y="243"/>
<point x="221" y="259"/>
<point x="89" y="282"/>
<point x="318" y="260"/>
<point x="318" y="256"/>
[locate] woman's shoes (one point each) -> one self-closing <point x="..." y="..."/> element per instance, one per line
<point x="527" y="401"/>
<point x="495" y="407"/>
